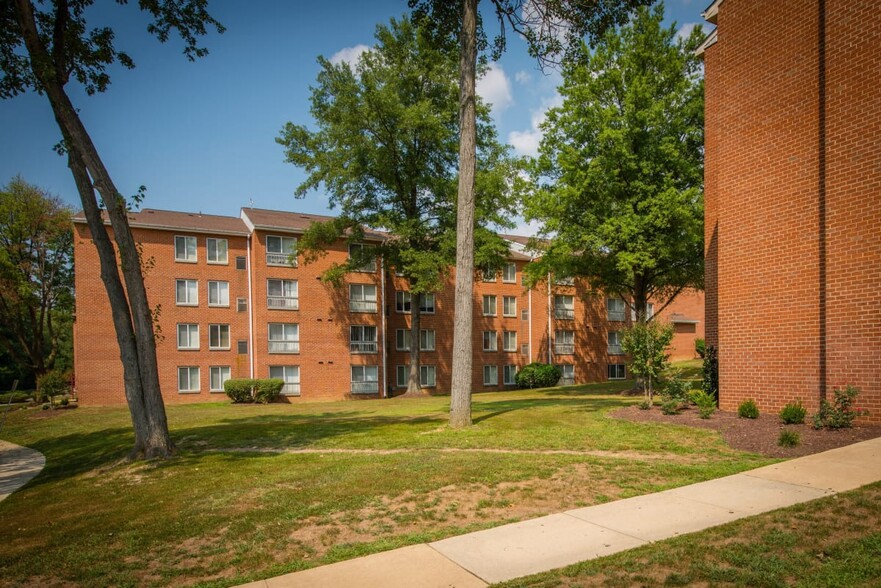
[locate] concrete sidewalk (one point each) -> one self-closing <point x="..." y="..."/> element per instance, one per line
<point x="503" y="553"/>
<point x="17" y="466"/>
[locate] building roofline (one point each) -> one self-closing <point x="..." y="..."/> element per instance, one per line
<point x="137" y="224"/>
<point x="708" y="42"/>
<point x="712" y="11"/>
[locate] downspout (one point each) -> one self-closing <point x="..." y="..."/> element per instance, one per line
<point x="384" y="393"/>
<point x="550" y="314"/>
<point x="250" y="315"/>
<point x="530" y="325"/>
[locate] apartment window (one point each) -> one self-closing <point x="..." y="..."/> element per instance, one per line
<point x="564" y="280"/>
<point x="365" y="379"/>
<point x="490" y="375"/>
<point x="242" y="304"/>
<point x="509" y="341"/>
<point x="185" y="249"/>
<point x="402" y="376"/>
<point x="282" y="294"/>
<point x="564" y="307"/>
<point x="615" y="343"/>
<point x="218" y="337"/>
<point x="427" y="376"/>
<point x="291" y="376"/>
<point x="524" y="349"/>
<point x="402" y="339"/>
<point x="358" y="251"/>
<point x="218" y="293"/>
<point x="188" y="379"/>
<point x="509" y="306"/>
<point x="567" y="374"/>
<point x="524" y="315"/>
<point x="217" y="375"/>
<point x="241" y="262"/>
<point x="186" y="292"/>
<point x="509" y="375"/>
<point x="489" y="275"/>
<point x="490" y="341"/>
<point x="187" y="336"/>
<point x="615" y="308"/>
<point x="281" y="250"/>
<point x="218" y="250"/>
<point x="617" y="371"/>
<point x="284" y="338"/>
<point x="649" y="311"/>
<point x="489" y="305"/>
<point x="427" y="304"/>
<point x="362" y="339"/>
<point x="426" y="340"/>
<point x="362" y="298"/>
<point x="509" y="273"/>
<point x="403" y="302"/>
<point x="564" y="342"/>
<point x="242" y="347"/>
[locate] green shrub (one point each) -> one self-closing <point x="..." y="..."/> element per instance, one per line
<point x="676" y="389"/>
<point x="706" y="404"/>
<point x="793" y="413"/>
<point x="538" y="375"/>
<point x="53" y="383"/>
<point x="840" y="413"/>
<point x="644" y="405"/>
<point x="671" y="407"/>
<point x="239" y="390"/>
<point x="711" y="372"/>
<point x="700" y="347"/>
<point x="748" y="409"/>
<point x="788" y="438"/>
<point x="14" y="397"/>
<point x="265" y="391"/>
<point x="64" y="401"/>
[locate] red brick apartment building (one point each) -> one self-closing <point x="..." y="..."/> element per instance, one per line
<point x="793" y="199"/>
<point x="231" y="305"/>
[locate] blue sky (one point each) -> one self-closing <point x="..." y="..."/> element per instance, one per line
<point x="201" y="136"/>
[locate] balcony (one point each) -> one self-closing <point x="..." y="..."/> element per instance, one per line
<point x="564" y="348"/>
<point x="363" y="347"/>
<point x="279" y="259"/>
<point x="616" y="315"/>
<point x="362" y="305"/>
<point x="291" y="389"/>
<point x="615" y="350"/>
<point x="365" y="387"/>
<point x="282" y="302"/>
<point x="566" y="381"/>
<point x="284" y="347"/>
<point x="566" y="314"/>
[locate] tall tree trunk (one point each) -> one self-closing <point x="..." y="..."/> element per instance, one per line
<point x="413" y="387"/>
<point x="154" y="440"/>
<point x="460" y="391"/>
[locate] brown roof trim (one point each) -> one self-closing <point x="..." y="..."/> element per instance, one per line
<point x="169" y="220"/>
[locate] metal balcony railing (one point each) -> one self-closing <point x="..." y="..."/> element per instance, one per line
<point x="615" y="350"/>
<point x="616" y="315"/>
<point x="362" y="305"/>
<point x="284" y="347"/>
<point x="564" y="348"/>
<point x="284" y="302"/>
<point x="291" y="389"/>
<point x="363" y="347"/>
<point x="279" y="259"/>
<point x="564" y="313"/>
<point x="365" y="387"/>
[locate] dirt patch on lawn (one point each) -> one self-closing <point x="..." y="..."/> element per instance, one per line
<point x="756" y="435"/>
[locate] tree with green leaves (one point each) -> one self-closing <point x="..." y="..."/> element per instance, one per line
<point x="43" y="47"/>
<point x="618" y="185"/>
<point x="554" y="31"/>
<point x="646" y="344"/>
<point x="385" y="150"/>
<point x="36" y="276"/>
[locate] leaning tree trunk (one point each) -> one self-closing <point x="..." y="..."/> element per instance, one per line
<point x="413" y="386"/>
<point x="460" y="390"/>
<point x="154" y="440"/>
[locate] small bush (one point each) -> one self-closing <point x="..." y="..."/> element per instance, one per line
<point x="706" y="404"/>
<point x="64" y="401"/>
<point x="840" y="413"/>
<point x="538" y="375"/>
<point x="46" y="406"/>
<point x="14" y="397"/>
<point x="266" y="391"/>
<point x="676" y="389"/>
<point x="53" y="383"/>
<point x="748" y="409"/>
<point x="239" y="390"/>
<point x="671" y="407"/>
<point x="793" y="413"/>
<point x="700" y="347"/>
<point x="788" y="438"/>
<point x="644" y="405"/>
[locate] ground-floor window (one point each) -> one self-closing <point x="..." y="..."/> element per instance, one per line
<point x="617" y="371"/>
<point x="509" y="375"/>
<point x="567" y="374"/>
<point x="291" y="376"/>
<point x="365" y="379"/>
<point x="427" y="376"/>
<point x="188" y="379"/>
<point x="490" y="375"/>
<point x="218" y="374"/>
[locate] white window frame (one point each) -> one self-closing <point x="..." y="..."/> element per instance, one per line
<point x="358" y="341"/>
<point x="220" y="373"/>
<point x="490" y="375"/>
<point x="490" y="341"/>
<point x="189" y="389"/>
<point x="402" y="370"/>
<point x="219" y="328"/>
<point x="192" y="331"/>
<point x="424" y="307"/>
<point x="507" y="337"/>
<point x="291" y="376"/>
<point x="424" y="372"/>
<point x="369" y="267"/>
<point x="427" y="340"/>
<point x="649" y="311"/>
<point x="509" y="375"/>
<point x="508" y="310"/>
<point x="564" y="307"/>
<point x="216" y="241"/>
<point x="495" y="305"/>
<point x="221" y="287"/>
<point x="564" y="367"/>
<point x="195" y="291"/>
<point x="289" y="299"/>
<point x="403" y="302"/>
<point x="616" y="366"/>
<point x="187" y="240"/>
<point x="614" y="343"/>
<point x="564" y="342"/>
<point x="616" y="309"/>
<point x="509" y="273"/>
<point x="402" y="339"/>
<point x="290" y="338"/>
<point x="362" y="302"/>
<point x="285" y="256"/>
<point x="365" y="382"/>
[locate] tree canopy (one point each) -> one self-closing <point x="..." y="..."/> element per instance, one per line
<point x="618" y="183"/>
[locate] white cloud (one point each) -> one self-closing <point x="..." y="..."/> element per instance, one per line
<point x="527" y="142"/>
<point x="523" y="77"/>
<point x="685" y="30"/>
<point x="349" y="55"/>
<point x="495" y="88"/>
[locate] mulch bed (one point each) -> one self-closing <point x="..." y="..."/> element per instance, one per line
<point x="756" y="435"/>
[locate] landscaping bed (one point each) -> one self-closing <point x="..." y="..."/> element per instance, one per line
<point x="756" y="435"/>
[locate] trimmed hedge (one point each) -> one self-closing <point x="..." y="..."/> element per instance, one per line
<point x="243" y="390"/>
<point x="266" y="391"/>
<point x="538" y="375"/>
<point x="239" y="390"/>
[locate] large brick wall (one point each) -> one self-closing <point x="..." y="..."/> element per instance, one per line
<point x="793" y="229"/>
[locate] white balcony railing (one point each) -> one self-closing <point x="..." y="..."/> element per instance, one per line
<point x="284" y="347"/>
<point x="615" y="350"/>
<point x="566" y="381"/>
<point x="564" y="313"/>
<point x="616" y="315"/>
<point x="362" y="305"/>
<point x="365" y="387"/>
<point x="363" y="347"/>
<point x="285" y="302"/>
<point x="279" y="259"/>
<point x="564" y="348"/>
<point x="291" y="389"/>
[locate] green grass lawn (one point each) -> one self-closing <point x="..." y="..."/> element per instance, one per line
<point x="256" y="491"/>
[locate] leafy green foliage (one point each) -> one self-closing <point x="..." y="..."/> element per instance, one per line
<point x="706" y="403"/>
<point x="748" y="409"/>
<point x="646" y="344"/>
<point x="240" y="390"/>
<point x="841" y="412"/>
<point x="700" y="347"/>
<point x="711" y="372"/>
<point x="267" y="390"/>
<point x="53" y="383"/>
<point x="793" y="413"/>
<point x="788" y="438"/>
<point x="619" y="177"/>
<point x="671" y="406"/>
<point x="538" y="375"/>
